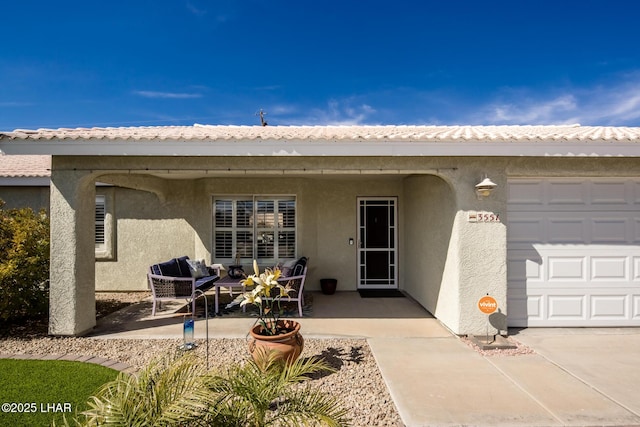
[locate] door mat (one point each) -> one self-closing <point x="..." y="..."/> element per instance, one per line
<point x="380" y="293"/>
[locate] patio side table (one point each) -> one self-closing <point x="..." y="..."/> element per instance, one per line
<point x="227" y="282"/>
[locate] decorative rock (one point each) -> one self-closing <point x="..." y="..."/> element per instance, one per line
<point x="370" y="405"/>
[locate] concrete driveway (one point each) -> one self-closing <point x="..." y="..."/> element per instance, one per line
<point x="607" y="360"/>
<point x="576" y="377"/>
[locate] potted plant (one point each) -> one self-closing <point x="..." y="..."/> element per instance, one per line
<point x="328" y="286"/>
<point x="270" y="332"/>
<point x="235" y="271"/>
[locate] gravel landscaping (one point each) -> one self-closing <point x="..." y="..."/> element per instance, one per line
<point x="519" y="349"/>
<point x="357" y="381"/>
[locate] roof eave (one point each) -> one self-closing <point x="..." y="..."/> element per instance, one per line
<point x="25" y="181"/>
<point x="347" y="148"/>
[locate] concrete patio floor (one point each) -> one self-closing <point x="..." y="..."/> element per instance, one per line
<point x="576" y="377"/>
<point x="344" y="314"/>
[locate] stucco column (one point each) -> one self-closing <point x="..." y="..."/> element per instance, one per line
<point x="72" y="278"/>
<point x="476" y="255"/>
<point x="482" y="256"/>
<point x="482" y="271"/>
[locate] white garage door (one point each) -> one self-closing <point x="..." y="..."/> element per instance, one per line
<point x="573" y="252"/>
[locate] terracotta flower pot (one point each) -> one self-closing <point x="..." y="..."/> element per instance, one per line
<point x="289" y="344"/>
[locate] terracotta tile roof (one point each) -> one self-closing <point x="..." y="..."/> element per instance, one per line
<point x="19" y="166"/>
<point x="337" y="133"/>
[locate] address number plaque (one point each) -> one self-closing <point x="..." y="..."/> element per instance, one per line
<point x="483" y="216"/>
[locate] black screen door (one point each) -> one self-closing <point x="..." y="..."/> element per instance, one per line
<point x="377" y="243"/>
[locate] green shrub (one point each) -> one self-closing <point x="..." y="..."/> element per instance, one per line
<point x="24" y="264"/>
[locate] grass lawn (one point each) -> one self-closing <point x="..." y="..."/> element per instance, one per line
<point x="38" y="392"/>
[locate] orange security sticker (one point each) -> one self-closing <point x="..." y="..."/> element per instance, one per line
<point x="487" y="304"/>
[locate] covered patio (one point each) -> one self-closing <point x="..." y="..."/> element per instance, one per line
<point x="343" y="315"/>
<point x="446" y="244"/>
<point x="162" y="208"/>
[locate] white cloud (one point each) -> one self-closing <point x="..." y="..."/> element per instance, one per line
<point x="520" y="111"/>
<point x="195" y="10"/>
<point x="615" y="104"/>
<point x="218" y="12"/>
<point x="282" y="109"/>
<point x="166" y="95"/>
<point x="344" y="112"/>
<point x="621" y="105"/>
<point x="12" y="104"/>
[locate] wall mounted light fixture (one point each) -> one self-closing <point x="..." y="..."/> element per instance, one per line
<point x="485" y="187"/>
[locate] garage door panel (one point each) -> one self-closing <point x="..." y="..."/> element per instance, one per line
<point x="516" y="271"/>
<point x="607" y="193"/>
<point x="554" y="231"/>
<point x="574" y="307"/>
<point x="574" y="255"/>
<point x="556" y="194"/>
<point x="610" y="307"/>
<point x="610" y="269"/>
<point x="548" y="266"/>
<point x="526" y="230"/>
<point x="566" y="230"/>
<point x="525" y="265"/>
<point x="636" y="230"/>
<point x="564" y="268"/>
<point x="534" y="307"/>
<point x="610" y="230"/>
<point x="566" y="192"/>
<point x="635" y="271"/>
<point x="635" y="192"/>
<point x="567" y="307"/>
<point x="526" y="192"/>
<point x="528" y="307"/>
<point x="574" y="227"/>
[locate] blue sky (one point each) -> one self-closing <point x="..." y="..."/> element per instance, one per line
<point x="160" y="62"/>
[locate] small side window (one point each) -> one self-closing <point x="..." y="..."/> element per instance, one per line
<point x="105" y="231"/>
<point x="101" y="214"/>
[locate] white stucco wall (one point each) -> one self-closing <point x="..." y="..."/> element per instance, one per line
<point x="452" y="261"/>
<point x="446" y="261"/>
<point x="429" y="213"/>
<point x="36" y="197"/>
<point x="150" y="230"/>
<point x="166" y="218"/>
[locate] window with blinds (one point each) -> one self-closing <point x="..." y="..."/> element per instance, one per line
<point x="254" y="227"/>
<point x="101" y="213"/>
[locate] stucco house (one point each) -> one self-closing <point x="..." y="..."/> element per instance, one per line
<point x="24" y="181"/>
<point x="556" y="241"/>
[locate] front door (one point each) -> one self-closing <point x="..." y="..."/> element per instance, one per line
<point x="377" y="243"/>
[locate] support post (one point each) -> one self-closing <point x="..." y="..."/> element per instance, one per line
<point x="72" y="308"/>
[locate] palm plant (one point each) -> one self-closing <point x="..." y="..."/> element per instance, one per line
<point x="270" y="392"/>
<point x="168" y="391"/>
<point x="176" y="391"/>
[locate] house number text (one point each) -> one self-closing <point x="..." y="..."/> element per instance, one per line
<point x="482" y="216"/>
